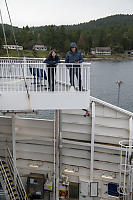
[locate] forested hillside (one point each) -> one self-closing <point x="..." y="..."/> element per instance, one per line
<point x="114" y="31"/>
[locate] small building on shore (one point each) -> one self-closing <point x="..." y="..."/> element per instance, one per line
<point x="39" y="48"/>
<point x="13" y="47"/>
<point x="129" y="52"/>
<point x="101" y="51"/>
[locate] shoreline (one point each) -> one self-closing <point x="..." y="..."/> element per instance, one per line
<point x="109" y="58"/>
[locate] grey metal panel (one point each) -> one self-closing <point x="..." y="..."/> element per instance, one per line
<point x="106" y="166"/>
<point x="35" y="156"/>
<point x="103" y="110"/>
<point x="29" y="132"/>
<point x="109" y="139"/>
<point x="34" y="123"/>
<point x="23" y="147"/>
<point x="77" y="153"/>
<point x="78" y="128"/>
<point x="107" y="157"/>
<point x="70" y="144"/>
<point x="39" y="140"/>
<point x="5" y="129"/>
<point x="75" y="161"/>
<point x="113" y="132"/>
<point x="108" y="112"/>
<point x="5" y="121"/>
<point x="112" y="122"/>
<point x="76" y="136"/>
<point x="107" y="150"/>
<point x="43" y="166"/>
<point x="78" y="119"/>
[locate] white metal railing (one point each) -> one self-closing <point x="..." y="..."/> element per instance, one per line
<point x="20" y="60"/>
<point x="126" y="170"/>
<point x="40" y="78"/>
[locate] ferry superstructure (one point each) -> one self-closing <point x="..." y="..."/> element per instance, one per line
<point x="84" y="153"/>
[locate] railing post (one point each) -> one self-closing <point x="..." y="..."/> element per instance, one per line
<point x="25" y="68"/>
<point x="92" y="142"/>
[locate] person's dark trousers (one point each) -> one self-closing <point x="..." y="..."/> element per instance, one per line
<point x="75" y="70"/>
<point x="51" y="78"/>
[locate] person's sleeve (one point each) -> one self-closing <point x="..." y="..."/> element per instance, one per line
<point x="58" y="61"/>
<point x="49" y="62"/>
<point x="67" y="58"/>
<point x="81" y="58"/>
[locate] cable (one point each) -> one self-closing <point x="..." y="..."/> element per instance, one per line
<point x="3" y="28"/>
<point x="12" y="28"/>
<point x="17" y="49"/>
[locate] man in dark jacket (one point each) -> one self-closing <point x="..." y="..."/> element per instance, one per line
<point x="74" y="56"/>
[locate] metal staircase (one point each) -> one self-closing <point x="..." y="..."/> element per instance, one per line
<point x="10" y="180"/>
<point x="7" y="180"/>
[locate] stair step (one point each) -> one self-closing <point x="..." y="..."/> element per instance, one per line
<point x="14" y="191"/>
<point x="10" y="177"/>
<point x="8" y="173"/>
<point x="5" y="164"/>
<point x="3" y="161"/>
<point x="12" y="198"/>
<point x="6" y="168"/>
<point x="16" y="195"/>
<point x="12" y="186"/>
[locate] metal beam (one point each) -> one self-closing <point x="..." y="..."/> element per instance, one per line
<point x="14" y="143"/>
<point x="57" y="152"/>
<point x="92" y="141"/>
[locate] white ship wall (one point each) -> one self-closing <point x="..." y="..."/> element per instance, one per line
<point x="5" y="135"/>
<point x="107" y="124"/>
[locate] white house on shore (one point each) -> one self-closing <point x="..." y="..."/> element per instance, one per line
<point x="101" y="51"/>
<point x="39" y="48"/>
<point x="13" y="47"/>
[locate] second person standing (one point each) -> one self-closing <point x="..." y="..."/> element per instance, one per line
<point x="52" y="60"/>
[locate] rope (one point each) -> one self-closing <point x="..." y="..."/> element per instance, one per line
<point x="12" y="28"/>
<point x="17" y="49"/>
<point x="3" y="28"/>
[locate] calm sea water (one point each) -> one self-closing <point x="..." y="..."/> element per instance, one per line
<point x="104" y="75"/>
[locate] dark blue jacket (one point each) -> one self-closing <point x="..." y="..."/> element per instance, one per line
<point x="73" y="57"/>
<point x="52" y="61"/>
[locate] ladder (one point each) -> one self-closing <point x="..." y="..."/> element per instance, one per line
<point x="10" y="179"/>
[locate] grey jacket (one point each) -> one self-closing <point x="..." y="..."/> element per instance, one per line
<point x="73" y="57"/>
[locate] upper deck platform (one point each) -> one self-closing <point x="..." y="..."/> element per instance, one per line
<point x="28" y="84"/>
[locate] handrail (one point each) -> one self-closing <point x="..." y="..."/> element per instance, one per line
<point x="41" y="78"/>
<point x="14" y="170"/>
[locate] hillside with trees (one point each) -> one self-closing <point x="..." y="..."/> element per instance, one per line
<point x="113" y="31"/>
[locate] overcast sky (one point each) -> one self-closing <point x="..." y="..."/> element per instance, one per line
<point x="61" y="12"/>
